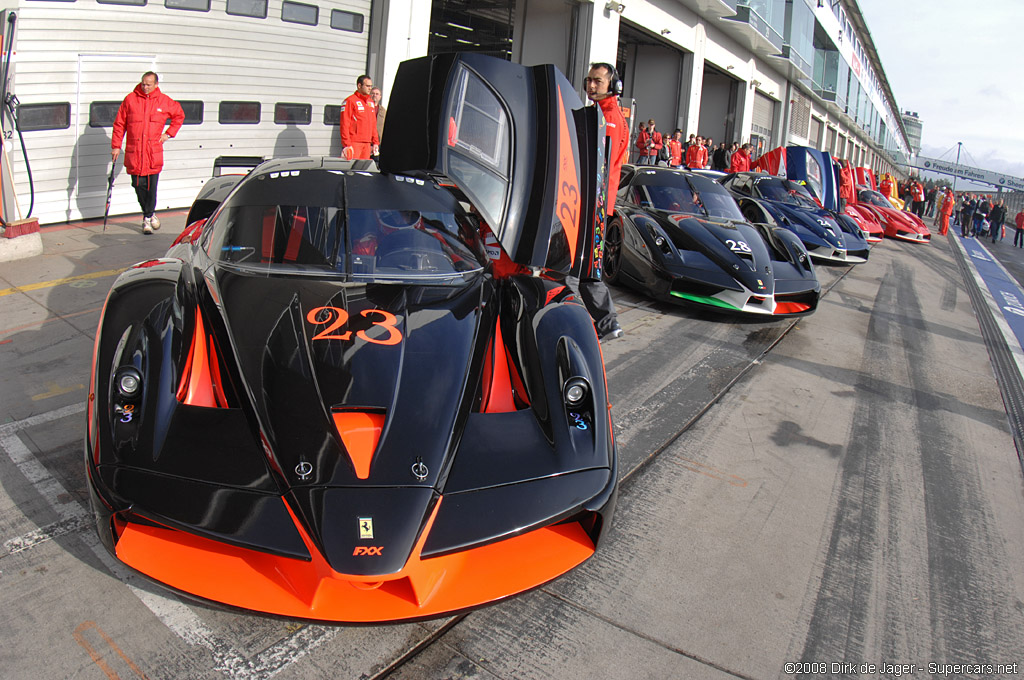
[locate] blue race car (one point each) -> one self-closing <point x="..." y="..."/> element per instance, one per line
<point x="769" y="199"/>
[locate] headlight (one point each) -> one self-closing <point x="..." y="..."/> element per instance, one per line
<point x="129" y="383"/>
<point x="575" y="391"/>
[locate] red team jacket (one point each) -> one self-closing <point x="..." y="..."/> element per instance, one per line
<point x="740" y="162"/>
<point x="618" y="133"/>
<point x="142" y="117"/>
<point x="696" y="156"/>
<point x="359" y="120"/>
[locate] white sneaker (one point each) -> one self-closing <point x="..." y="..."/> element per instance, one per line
<point x="147" y="225"/>
<point x="155" y="221"/>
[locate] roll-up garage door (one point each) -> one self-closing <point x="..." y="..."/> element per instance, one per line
<point x="764" y="115"/>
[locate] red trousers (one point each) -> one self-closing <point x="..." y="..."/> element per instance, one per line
<point x="360" y="150"/>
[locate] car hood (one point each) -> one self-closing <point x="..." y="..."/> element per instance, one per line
<point x="317" y="349"/>
<point x="735" y="247"/>
<point x="817" y="222"/>
<point x="899" y="217"/>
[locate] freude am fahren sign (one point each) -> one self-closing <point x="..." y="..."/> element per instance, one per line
<point x="966" y="172"/>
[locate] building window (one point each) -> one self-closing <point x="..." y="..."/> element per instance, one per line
<point x="138" y="3"/>
<point x="193" y="111"/>
<point x="239" y="113"/>
<point x="56" y="116"/>
<point x="298" y="114"/>
<point x="193" y="5"/>
<point x="332" y="114"/>
<point x="102" y="114"/>
<point x="300" y="13"/>
<point x="248" y="8"/>
<point x="346" y="21"/>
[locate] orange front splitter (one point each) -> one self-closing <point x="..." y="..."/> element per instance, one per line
<point x="296" y="588"/>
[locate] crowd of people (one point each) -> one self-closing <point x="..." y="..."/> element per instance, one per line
<point x="653" y="148"/>
<point x="981" y="216"/>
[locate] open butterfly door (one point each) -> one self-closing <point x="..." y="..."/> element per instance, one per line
<point x="516" y="140"/>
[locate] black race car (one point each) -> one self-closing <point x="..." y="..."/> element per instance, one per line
<point x="828" y="236"/>
<point x="358" y="396"/>
<point x="679" y="236"/>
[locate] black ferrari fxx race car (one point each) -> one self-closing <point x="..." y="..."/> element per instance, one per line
<point x="828" y="236"/>
<point x="357" y="396"/>
<point x="680" y="237"/>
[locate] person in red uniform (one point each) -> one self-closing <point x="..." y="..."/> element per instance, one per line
<point x="359" y="122"/>
<point x="885" y="186"/>
<point x="697" y="155"/>
<point x="643" y="144"/>
<point x="675" y="149"/>
<point x="603" y="88"/>
<point x="917" y="194"/>
<point x="741" y="160"/>
<point x="140" y="123"/>
<point x="948" y="204"/>
<point x="846" y="184"/>
<point x="1018" y="238"/>
<point x="656" y="143"/>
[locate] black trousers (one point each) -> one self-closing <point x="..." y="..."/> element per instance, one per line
<point x="145" y="190"/>
<point x="598" y="301"/>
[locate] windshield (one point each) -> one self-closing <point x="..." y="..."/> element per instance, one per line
<point x="814" y="174"/>
<point x="784" y="191"/>
<point x="691" y="195"/>
<point x="353" y="224"/>
<point x="874" y="198"/>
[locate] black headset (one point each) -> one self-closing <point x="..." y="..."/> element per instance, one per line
<point x="615" y="86"/>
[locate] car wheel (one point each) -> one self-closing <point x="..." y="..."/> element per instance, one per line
<point x="612" y="258"/>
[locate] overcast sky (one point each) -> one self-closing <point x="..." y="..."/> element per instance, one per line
<point x="960" y="66"/>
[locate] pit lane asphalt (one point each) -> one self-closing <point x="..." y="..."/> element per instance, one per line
<point x="843" y="488"/>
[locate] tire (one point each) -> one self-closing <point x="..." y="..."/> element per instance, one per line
<point x="611" y="260"/>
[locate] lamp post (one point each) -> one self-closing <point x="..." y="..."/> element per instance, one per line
<point x="956" y="170"/>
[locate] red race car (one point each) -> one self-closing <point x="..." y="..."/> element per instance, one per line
<point x="897" y="223"/>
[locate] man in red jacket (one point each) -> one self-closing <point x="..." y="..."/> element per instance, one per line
<point x="603" y="88"/>
<point x="741" y="160"/>
<point x="141" y="119"/>
<point x="359" y="122"/>
<point x="697" y="155"/>
<point x="675" y="149"/>
<point x="946" y="211"/>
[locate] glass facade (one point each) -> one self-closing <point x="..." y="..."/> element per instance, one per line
<point x="767" y="17"/>
<point x="799" y="36"/>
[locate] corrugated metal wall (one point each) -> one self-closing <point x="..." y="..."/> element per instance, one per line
<point x="83" y="51"/>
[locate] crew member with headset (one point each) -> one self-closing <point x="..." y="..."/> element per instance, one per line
<point x="603" y="87"/>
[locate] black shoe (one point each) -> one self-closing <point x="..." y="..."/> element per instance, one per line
<point x="615" y="332"/>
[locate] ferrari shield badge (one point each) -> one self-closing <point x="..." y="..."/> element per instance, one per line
<point x="365" y="527"/>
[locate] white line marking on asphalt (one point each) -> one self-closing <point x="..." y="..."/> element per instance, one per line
<point x="170" y="611"/>
<point x="1008" y="335"/>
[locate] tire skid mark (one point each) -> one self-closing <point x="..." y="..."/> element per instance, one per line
<point x="838" y="623"/>
<point x="968" y="593"/>
<point x="874" y="546"/>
